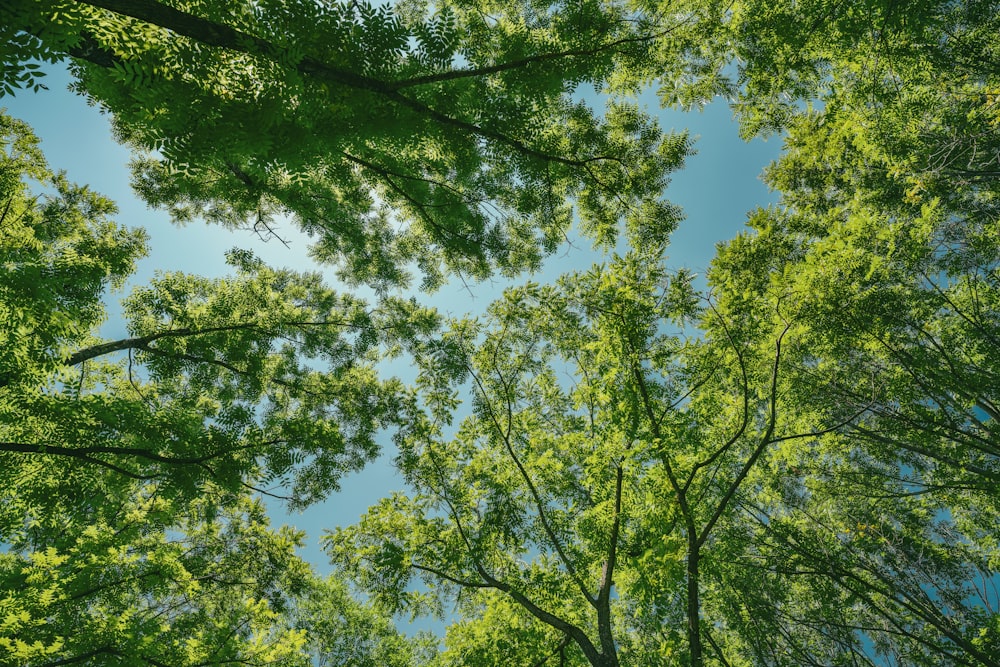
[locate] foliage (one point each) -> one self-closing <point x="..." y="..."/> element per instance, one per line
<point x="263" y="376"/>
<point x="586" y="517"/>
<point x="150" y="583"/>
<point x="129" y="535"/>
<point x="343" y="632"/>
<point x="448" y="138"/>
<point x="811" y="480"/>
<point x="829" y="491"/>
<point x="769" y="57"/>
<point x="883" y="257"/>
<point x="798" y="467"/>
<point x="890" y="522"/>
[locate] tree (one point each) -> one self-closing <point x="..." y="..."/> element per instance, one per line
<point x="595" y="518"/>
<point x="258" y="377"/>
<point x="152" y="582"/>
<point x="799" y="468"/>
<point x="770" y="57"/>
<point x="884" y="256"/>
<point x="888" y="523"/>
<point x="126" y="465"/>
<point x="446" y="139"/>
<point x="910" y="85"/>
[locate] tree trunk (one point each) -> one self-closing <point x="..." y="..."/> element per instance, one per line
<point x="693" y="605"/>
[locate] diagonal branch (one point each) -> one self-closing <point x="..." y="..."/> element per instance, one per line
<point x="141" y="342"/>
<point x="603" y="602"/>
<point x="765" y="440"/>
<point x="455" y="580"/>
<point x="86" y="453"/>
<point x="419" y="206"/>
<point x="85" y="656"/>
<point x="223" y="36"/>
<point x="452" y="75"/>
<point x="715" y="647"/>
<point x="679" y="491"/>
<point x="578" y="635"/>
<point x="563" y="643"/>
<point x="536" y="496"/>
<point x="745" y="419"/>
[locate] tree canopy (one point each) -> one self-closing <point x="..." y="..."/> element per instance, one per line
<point x="131" y="535"/>
<point x="793" y="462"/>
<point x="446" y="138"/>
<point x="809" y="480"/>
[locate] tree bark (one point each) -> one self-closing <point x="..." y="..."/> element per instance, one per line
<point x="693" y="603"/>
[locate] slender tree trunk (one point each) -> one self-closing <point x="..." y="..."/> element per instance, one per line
<point x="693" y="604"/>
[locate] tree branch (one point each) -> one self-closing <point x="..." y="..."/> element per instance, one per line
<point x="603" y="602"/>
<point x="223" y="36"/>
<point x="578" y="635"/>
<point x="539" y="505"/>
<point x="765" y="440"/>
<point x="86" y="454"/>
<point x="744" y="421"/>
<point x="141" y="342"/>
<point x="455" y="580"/>
<point x="563" y="643"/>
<point x="84" y="656"/>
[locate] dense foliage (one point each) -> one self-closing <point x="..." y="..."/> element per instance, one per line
<point x="797" y="465"/>
<point x="129" y="529"/>
<point x="445" y="139"/>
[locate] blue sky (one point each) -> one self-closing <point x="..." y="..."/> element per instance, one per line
<point x="716" y="189"/>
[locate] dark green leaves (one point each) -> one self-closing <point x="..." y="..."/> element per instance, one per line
<point x="444" y="141"/>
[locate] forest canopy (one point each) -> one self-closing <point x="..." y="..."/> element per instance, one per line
<point x="792" y="460"/>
